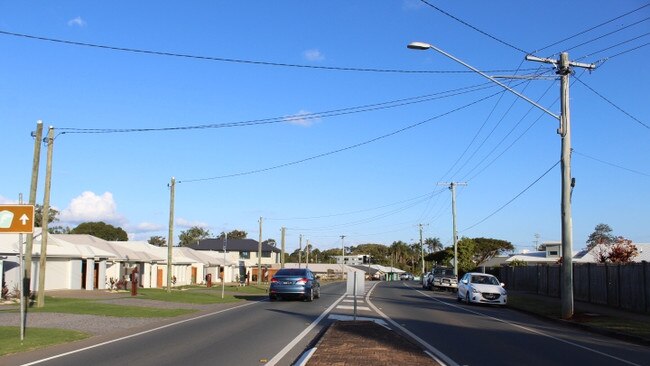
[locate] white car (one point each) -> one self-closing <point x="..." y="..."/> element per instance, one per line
<point x="481" y="288"/>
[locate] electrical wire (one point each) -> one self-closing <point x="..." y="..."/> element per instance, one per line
<point x="612" y="103"/>
<point x="614" y="46"/>
<point x="350" y="147"/>
<point x="352" y="212"/>
<point x="592" y="28"/>
<point x="474" y="28"/>
<point x="611" y="164"/>
<point x="281" y="119"/>
<point x="626" y="51"/>
<point x="513" y="199"/>
<point x="607" y="34"/>
<point x="233" y="60"/>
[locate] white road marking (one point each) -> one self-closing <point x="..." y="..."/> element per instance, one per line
<point x="302" y="361"/>
<point x="346" y="307"/>
<point x="359" y="318"/>
<point x="441" y="357"/>
<point x="139" y="334"/>
<point x="531" y="330"/>
<point x="302" y="335"/>
<point x="346" y="300"/>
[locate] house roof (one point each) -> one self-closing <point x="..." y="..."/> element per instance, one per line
<point x="208" y="258"/>
<point x="241" y="245"/>
<point x="121" y="253"/>
<point x="318" y="267"/>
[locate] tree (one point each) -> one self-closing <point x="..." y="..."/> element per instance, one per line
<point x="487" y="248"/>
<point x="101" y="230"/>
<point x="234" y="234"/>
<point x="433" y="244"/>
<point x="621" y="251"/>
<point x="157" y="240"/>
<point x="59" y="230"/>
<point x="601" y="235"/>
<point x="271" y="242"/>
<point x="38" y="215"/>
<point x="193" y="235"/>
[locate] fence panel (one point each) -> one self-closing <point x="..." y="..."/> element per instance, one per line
<point x="598" y="284"/>
<point x="554" y="277"/>
<point x="630" y="287"/>
<point x="613" y="294"/>
<point x="581" y="282"/>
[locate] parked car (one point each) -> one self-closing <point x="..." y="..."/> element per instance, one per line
<point x="427" y="281"/>
<point x="444" y="278"/>
<point x="296" y="283"/>
<point x="481" y="288"/>
<point x="406" y="276"/>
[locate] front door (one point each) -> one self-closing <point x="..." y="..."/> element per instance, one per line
<point x="159" y="278"/>
<point x="194" y="275"/>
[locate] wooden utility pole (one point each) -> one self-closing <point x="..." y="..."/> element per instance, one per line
<point x="45" y="216"/>
<point x="300" y="252"/>
<point x="283" y="231"/>
<point x="452" y="187"/>
<point x="259" y="255"/>
<point x="307" y="258"/>
<point x="564" y="70"/>
<point x="170" y="238"/>
<point x="38" y="139"/>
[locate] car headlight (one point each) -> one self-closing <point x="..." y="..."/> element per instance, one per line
<point x="475" y="290"/>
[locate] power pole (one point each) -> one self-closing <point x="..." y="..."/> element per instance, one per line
<point x="342" y="256"/>
<point x="564" y="70"/>
<point x="452" y="187"/>
<point x="422" y="251"/>
<point x="283" y="231"/>
<point x="45" y="215"/>
<point x="537" y="241"/>
<point x="259" y="255"/>
<point x="307" y="259"/>
<point x="300" y="252"/>
<point x="38" y="138"/>
<point x="170" y="239"/>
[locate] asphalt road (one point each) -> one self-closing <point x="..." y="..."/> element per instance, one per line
<point x="490" y="335"/>
<point x="277" y="333"/>
<point x="244" y="335"/>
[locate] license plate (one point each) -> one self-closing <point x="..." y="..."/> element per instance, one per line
<point x="287" y="282"/>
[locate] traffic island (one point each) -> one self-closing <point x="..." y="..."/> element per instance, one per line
<point x="366" y="343"/>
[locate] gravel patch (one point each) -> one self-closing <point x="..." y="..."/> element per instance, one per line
<point x="91" y="324"/>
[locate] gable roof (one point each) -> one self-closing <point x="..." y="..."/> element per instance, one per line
<point x="240" y="245"/>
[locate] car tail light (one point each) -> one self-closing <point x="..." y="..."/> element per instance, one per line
<point x="302" y="281"/>
<point x="274" y="280"/>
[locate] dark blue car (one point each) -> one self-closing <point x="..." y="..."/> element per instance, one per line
<point x="294" y="282"/>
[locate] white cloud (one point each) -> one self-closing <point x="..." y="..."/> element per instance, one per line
<point x="301" y="119"/>
<point x="182" y="223"/>
<point x="77" y="22"/>
<point x="91" y="207"/>
<point x="313" y="55"/>
<point x="146" y="227"/>
<point x="6" y="201"/>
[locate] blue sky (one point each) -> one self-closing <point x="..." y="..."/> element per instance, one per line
<point x="384" y="180"/>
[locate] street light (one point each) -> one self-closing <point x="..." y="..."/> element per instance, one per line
<point x="563" y="65"/>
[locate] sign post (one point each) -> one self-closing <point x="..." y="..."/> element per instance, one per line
<point x="16" y="219"/>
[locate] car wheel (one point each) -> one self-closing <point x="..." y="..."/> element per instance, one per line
<point x="310" y="297"/>
<point x="317" y="294"/>
<point x="458" y="297"/>
<point x="467" y="300"/>
<point x="272" y="298"/>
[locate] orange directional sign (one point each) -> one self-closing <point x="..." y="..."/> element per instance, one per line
<point x="16" y="219"/>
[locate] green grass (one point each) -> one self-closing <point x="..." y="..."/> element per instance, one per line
<point x="552" y="308"/>
<point x="35" y="338"/>
<point x="94" y="307"/>
<point x="252" y="289"/>
<point x="186" y="296"/>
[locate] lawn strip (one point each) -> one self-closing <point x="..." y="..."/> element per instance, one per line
<point x="96" y="307"/>
<point x="35" y="338"/>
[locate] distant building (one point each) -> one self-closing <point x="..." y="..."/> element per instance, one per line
<point x="352" y="260"/>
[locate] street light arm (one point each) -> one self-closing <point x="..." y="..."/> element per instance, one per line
<point x="424" y="46"/>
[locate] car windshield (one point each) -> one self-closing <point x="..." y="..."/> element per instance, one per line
<point x="485" y="280"/>
<point x="291" y="272"/>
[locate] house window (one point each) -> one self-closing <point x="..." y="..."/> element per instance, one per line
<point x="552" y="252"/>
<point x="245" y="255"/>
<point x="266" y="254"/>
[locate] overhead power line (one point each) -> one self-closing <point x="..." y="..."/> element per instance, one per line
<point x="234" y="60"/>
<point x="611" y="164"/>
<point x="607" y="34"/>
<point x="612" y="104"/>
<point x="592" y="28"/>
<point x="347" y="147"/>
<point x="513" y="199"/>
<point x="280" y="119"/>
<point x="614" y="46"/>
<point x="626" y="51"/>
<point x="474" y="28"/>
